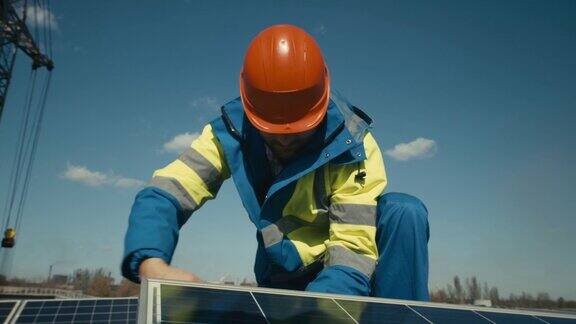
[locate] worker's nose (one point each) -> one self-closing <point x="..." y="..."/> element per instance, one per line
<point x="284" y="140"/>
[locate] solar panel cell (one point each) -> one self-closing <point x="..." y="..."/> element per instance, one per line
<point x="64" y="318"/>
<point x="26" y="319"/>
<point x="69" y="303"/>
<point x="119" y="302"/>
<point x="103" y="302"/>
<point x="87" y="302"/>
<point x="48" y="310"/>
<point x="30" y="311"/>
<point x="100" y="316"/>
<point x="82" y="317"/>
<point x="67" y="310"/>
<point x="119" y="316"/>
<point x="44" y="318"/>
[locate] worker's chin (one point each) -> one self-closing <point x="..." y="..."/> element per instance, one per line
<point x="285" y="156"/>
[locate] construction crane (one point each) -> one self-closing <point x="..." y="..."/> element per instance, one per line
<point x="15" y="36"/>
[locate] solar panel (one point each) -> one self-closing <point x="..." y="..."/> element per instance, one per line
<point x="7" y="310"/>
<point x="101" y="310"/>
<point x="180" y="302"/>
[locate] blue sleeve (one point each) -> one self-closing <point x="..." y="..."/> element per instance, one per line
<point x="339" y="279"/>
<point x="155" y="219"/>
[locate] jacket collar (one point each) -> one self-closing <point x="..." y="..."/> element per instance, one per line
<point x="341" y="114"/>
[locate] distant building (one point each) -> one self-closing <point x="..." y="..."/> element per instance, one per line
<point x="247" y="283"/>
<point x="59" y="279"/>
<point x="483" y="302"/>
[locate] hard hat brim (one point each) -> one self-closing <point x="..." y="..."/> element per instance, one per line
<point x="306" y="123"/>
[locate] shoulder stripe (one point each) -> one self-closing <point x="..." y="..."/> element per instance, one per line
<point x="320" y="189"/>
<point x="203" y="168"/>
<point x="173" y="187"/>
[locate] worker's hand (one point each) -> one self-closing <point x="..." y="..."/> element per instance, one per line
<point x="158" y="269"/>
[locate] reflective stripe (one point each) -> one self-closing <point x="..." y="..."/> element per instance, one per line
<point x="274" y="233"/>
<point x="354" y="123"/>
<point x="356" y="126"/>
<point x="271" y="235"/>
<point x="356" y="214"/>
<point x="173" y="187"/>
<point x="319" y="190"/>
<point x="339" y="255"/>
<point x="203" y="168"/>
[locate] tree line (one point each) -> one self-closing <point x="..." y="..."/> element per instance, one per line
<point x="470" y="290"/>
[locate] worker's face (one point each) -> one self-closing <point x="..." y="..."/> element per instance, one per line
<point x="286" y="146"/>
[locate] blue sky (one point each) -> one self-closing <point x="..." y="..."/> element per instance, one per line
<point x="488" y="85"/>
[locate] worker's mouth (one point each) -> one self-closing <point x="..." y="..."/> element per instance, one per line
<point x="285" y="153"/>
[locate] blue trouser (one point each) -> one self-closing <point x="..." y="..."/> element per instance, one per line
<point x="402" y="238"/>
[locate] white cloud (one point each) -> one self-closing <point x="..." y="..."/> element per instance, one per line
<point x="37" y="16"/>
<point x="417" y="149"/>
<point x="180" y="142"/>
<point x="83" y="175"/>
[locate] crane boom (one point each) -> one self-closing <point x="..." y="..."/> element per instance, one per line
<point x="15" y="35"/>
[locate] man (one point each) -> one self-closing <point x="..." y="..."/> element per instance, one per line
<point x="310" y="175"/>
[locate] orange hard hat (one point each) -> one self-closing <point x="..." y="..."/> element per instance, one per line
<point x="284" y="83"/>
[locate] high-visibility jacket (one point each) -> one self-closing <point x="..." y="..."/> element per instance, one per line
<point x="321" y="208"/>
